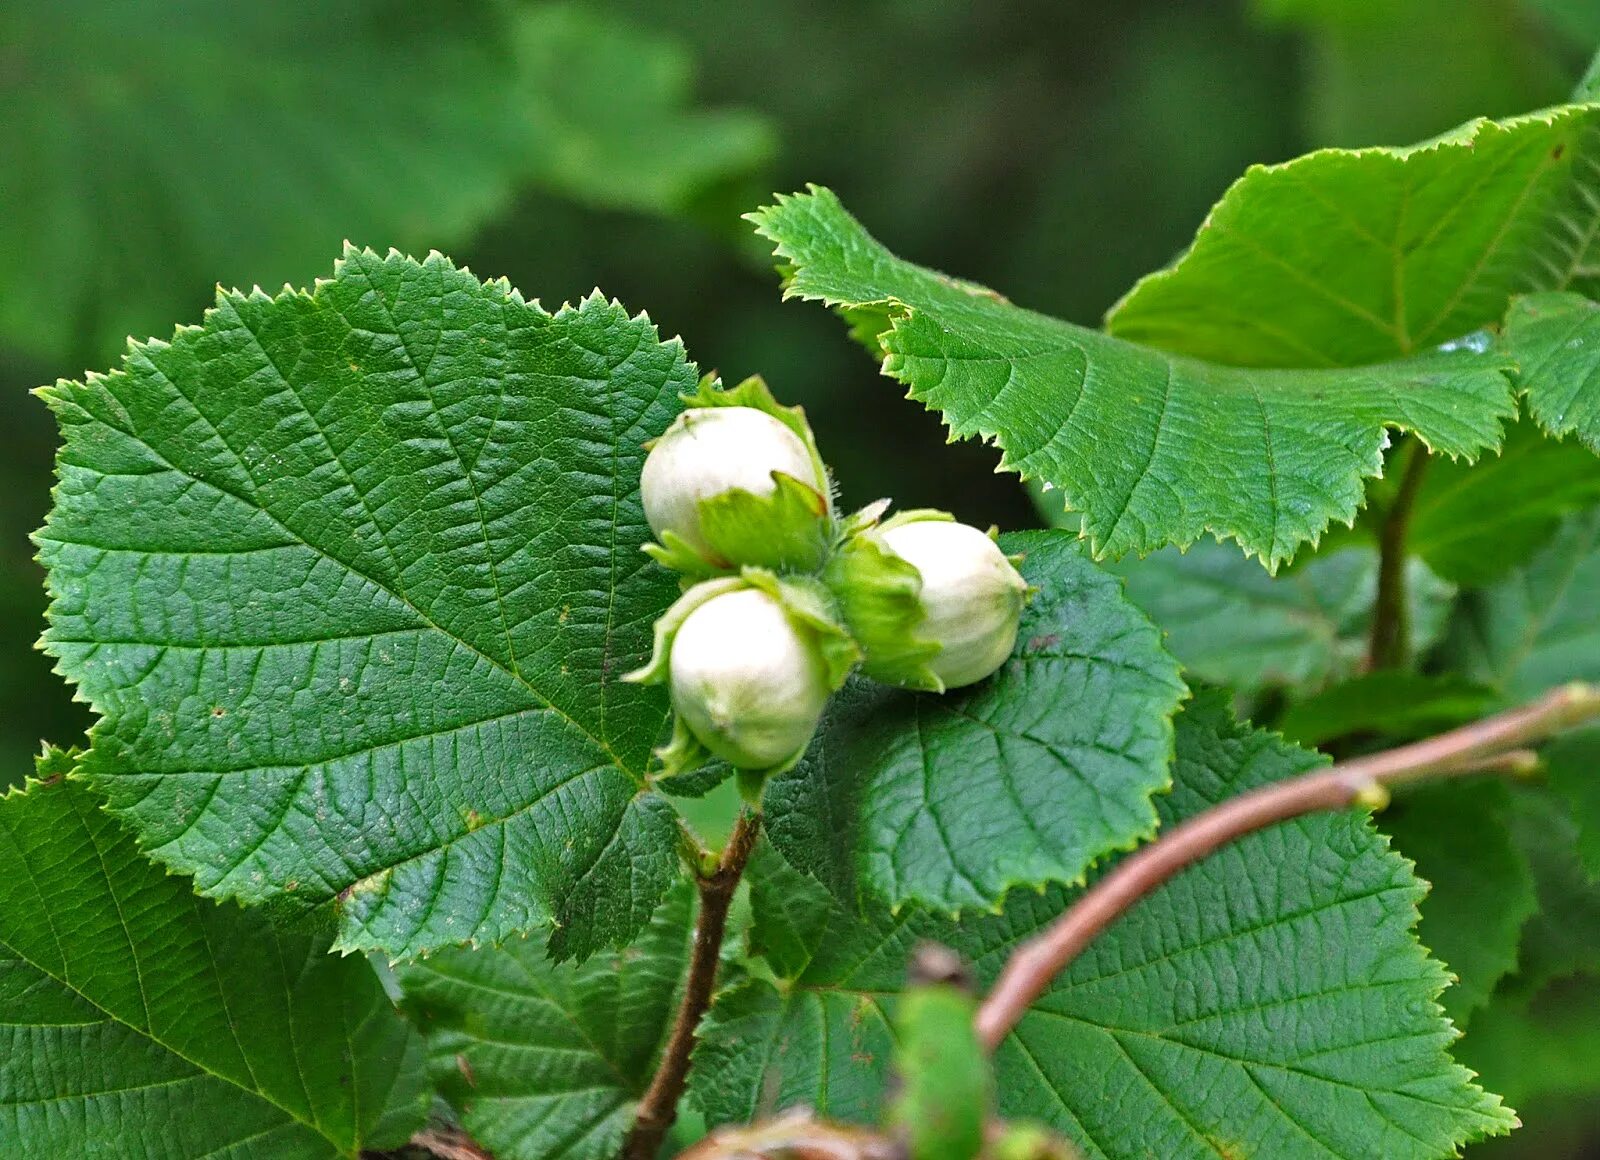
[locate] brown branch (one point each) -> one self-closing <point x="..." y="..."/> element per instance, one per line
<point x="449" y="1144"/>
<point x="796" y="1135"/>
<point x="1495" y="743"/>
<point x="659" y="1106"/>
<point x="1390" y="642"/>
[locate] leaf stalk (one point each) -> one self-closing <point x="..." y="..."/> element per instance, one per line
<point x="658" y="1108"/>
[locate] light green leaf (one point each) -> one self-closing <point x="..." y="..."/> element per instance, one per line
<point x="1481" y="886"/>
<point x="141" y="1020"/>
<point x="1232" y="624"/>
<point x="1473" y="523"/>
<point x="351" y="577"/>
<point x="1540" y="625"/>
<point x="1555" y="339"/>
<point x="547" y="1061"/>
<point x="1025" y="778"/>
<point x="1345" y="257"/>
<point x="944" y="1100"/>
<point x="1152" y="448"/>
<point x="155" y="148"/>
<point x="1271" y="1001"/>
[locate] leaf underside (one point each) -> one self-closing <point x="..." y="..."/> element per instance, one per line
<point x="139" y="1019"/>
<point x="1271" y="1001"/>
<point x="1153" y="448"/>
<point x="350" y="576"/>
<point x="1028" y="777"/>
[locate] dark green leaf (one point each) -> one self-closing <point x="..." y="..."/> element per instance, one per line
<point x="156" y="148"/>
<point x="1344" y="257"/>
<point x="1232" y="624"/>
<point x="1563" y="938"/>
<point x="1481" y="886"/>
<point x="1473" y="523"/>
<point x="1540" y="625"/>
<point x="1025" y="778"/>
<point x="1572" y="767"/>
<point x="1153" y="448"/>
<point x="351" y="576"/>
<point x="141" y="1020"/>
<point x="1545" y="1045"/>
<point x="1398" y="705"/>
<point x="1271" y="1001"/>
<point x="547" y="1061"/>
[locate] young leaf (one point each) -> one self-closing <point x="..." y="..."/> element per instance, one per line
<point x="1344" y="257"/>
<point x="140" y="1019"/>
<point x="1153" y="448"/>
<point x="546" y="1061"/>
<point x="1025" y="778"/>
<point x="156" y="148"/>
<point x="1230" y="623"/>
<point x="1481" y="888"/>
<point x="1271" y="1001"/>
<point x="351" y="576"/>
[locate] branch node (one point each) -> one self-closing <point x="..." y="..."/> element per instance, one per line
<point x="1371" y="795"/>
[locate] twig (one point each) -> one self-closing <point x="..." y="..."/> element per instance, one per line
<point x="1495" y="743"/>
<point x="659" y="1106"/>
<point x="449" y="1144"/>
<point x="797" y="1135"/>
<point x="1390" y="643"/>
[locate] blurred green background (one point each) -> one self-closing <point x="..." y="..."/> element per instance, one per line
<point x="1057" y="151"/>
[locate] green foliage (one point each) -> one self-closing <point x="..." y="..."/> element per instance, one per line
<point x="1153" y="448"/>
<point x="1481" y="888"/>
<point x="546" y="1061"/>
<point x="1540" y="625"/>
<point x="171" y="146"/>
<point x="1230" y="623"/>
<point x="139" y="1019"/>
<point x="1026" y="778"/>
<point x="1473" y="523"/>
<point x="1556" y="341"/>
<point x="350" y="577"/>
<point x="1347" y="257"/>
<point x="1165" y="1037"/>
<point x="270" y="532"/>
<point x="1390" y="703"/>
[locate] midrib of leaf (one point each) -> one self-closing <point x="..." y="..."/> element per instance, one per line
<point x="201" y="1069"/>
<point x="295" y="539"/>
<point x="467" y="474"/>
